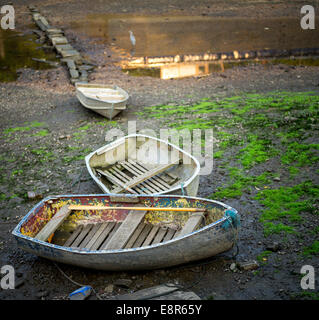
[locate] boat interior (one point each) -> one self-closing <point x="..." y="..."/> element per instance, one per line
<point x="72" y="223"/>
<point x="141" y="165"/>
<point x="103" y="94"/>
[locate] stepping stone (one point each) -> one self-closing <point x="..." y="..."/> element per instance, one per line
<point x="70" y="63"/>
<point x="59" y="40"/>
<point x="54" y="31"/>
<point x="36" y="16"/>
<point x="40" y="25"/>
<point x="86" y="67"/>
<point x="84" y="75"/>
<point x="44" y="21"/>
<point x="74" y="73"/>
<point x="63" y="47"/>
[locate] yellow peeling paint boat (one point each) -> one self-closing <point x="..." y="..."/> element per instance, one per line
<point x="127" y="232"/>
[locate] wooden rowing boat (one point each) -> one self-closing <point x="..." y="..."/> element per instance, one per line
<point x="103" y="99"/>
<point x="127" y="232"/>
<point x="140" y="164"/>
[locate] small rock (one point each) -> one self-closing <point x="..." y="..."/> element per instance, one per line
<point x="124" y="283"/>
<point x="233" y="267"/>
<point x="41" y="294"/>
<point x="109" y="288"/>
<point x="65" y="137"/>
<point x="250" y="265"/>
<point x="276" y="179"/>
<point x="33" y="196"/>
<point x="273" y="247"/>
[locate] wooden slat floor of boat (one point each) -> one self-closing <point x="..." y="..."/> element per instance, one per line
<point x="148" y="184"/>
<point x="144" y="185"/>
<point x="91" y="236"/>
<point x="133" y="170"/>
<point x="158" y="180"/>
<point x="123" y="234"/>
<point x="97" y="236"/>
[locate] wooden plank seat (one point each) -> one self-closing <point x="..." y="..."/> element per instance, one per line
<point x="53" y="224"/>
<point x="99" y="236"/>
<point x="135" y="178"/>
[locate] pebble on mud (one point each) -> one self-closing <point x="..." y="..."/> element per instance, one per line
<point x="275" y="246"/>
<point x="233" y="267"/>
<point x="246" y="266"/>
<point x="123" y="283"/>
<point x="109" y="288"/>
<point x="33" y="195"/>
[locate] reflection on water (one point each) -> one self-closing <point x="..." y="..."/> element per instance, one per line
<point x="177" y="35"/>
<point x="183" y="70"/>
<point x="17" y="51"/>
<point x="170" y="47"/>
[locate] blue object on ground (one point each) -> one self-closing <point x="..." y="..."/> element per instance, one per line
<point x="81" y="293"/>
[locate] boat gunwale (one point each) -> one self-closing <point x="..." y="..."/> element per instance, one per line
<point x="86" y="85"/>
<point x="17" y="233"/>
<point x="118" y="143"/>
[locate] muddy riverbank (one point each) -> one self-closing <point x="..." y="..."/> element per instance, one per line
<point x="45" y="134"/>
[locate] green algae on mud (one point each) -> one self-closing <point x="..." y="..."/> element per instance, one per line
<point x="252" y="130"/>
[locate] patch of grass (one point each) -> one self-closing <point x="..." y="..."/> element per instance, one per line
<point x="106" y="123"/>
<point x="300" y="154"/>
<point x="286" y="203"/>
<point x="16" y="172"/>
<point x="256" y="151"/>
<point x="41" y="133"/>
<point x="315" y="230"/>
<point x="218" y="154"/>
<point x="43" y="154"/>
<point x="84" y="128"/>
<point x="272" y="228"/>
<point x="28" y="127"/>
<point x="228" y="139"/>
<point x="308" y="294"/>
<point x="79" y="156"/>
<point x="293" y="171"/>
<point x="312" y="250"/>
<point x="240" y="182"/>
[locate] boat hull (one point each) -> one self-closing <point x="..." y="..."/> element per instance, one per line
<point x="106" y="109"/>
<point x="206" y="242"/>
<point x="190" y="185"/>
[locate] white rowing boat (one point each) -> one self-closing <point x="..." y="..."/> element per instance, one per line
<point x="141" y="164"/>
<point x="103" y="99"/>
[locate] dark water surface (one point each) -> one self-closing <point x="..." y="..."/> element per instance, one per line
<point x="170" y="35"/>
<point x="18" y="51"/>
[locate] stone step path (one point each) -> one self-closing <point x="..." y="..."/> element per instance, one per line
<point x="78" y="68"/>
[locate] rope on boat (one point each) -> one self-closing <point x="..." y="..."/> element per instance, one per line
<point x="233" y="221"/>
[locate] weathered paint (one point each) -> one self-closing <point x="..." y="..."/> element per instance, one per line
<point x="203" y="243"/>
